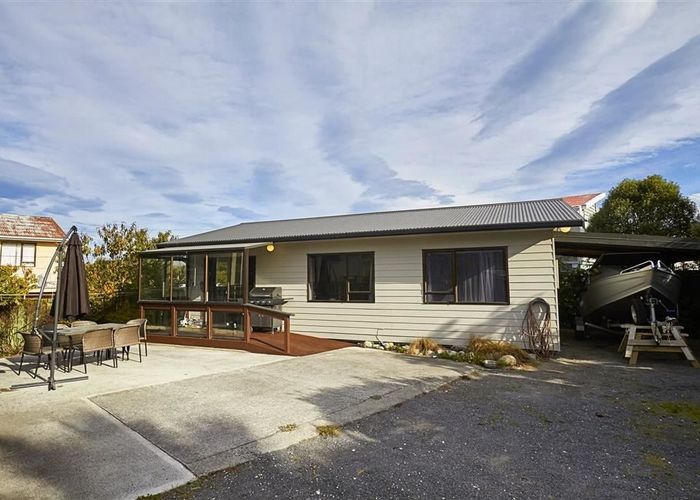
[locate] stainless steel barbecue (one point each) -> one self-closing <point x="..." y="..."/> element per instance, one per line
<point x="266" y="296"/>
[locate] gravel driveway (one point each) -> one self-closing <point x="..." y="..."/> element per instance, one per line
<point x="584" y="425"/>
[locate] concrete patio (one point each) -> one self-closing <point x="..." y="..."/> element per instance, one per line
<point x="183" y="412"/>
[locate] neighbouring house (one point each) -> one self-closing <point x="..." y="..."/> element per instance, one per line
<point x="448" y="273"/>
<point x="586" y="205"/>
<point x="29" y="242"/>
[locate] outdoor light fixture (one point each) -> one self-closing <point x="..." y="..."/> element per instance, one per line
<point x="270" y="248"/>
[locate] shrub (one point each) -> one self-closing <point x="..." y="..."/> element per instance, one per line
<point x="494" y="349"/>
<point x="422" y="346"/>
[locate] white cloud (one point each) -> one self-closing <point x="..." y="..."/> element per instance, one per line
<point x="169" y="113"/>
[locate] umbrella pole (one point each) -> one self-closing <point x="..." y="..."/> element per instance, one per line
<point x="54" y="335"/>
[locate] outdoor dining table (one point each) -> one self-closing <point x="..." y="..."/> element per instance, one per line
<point x="77" y="332"/>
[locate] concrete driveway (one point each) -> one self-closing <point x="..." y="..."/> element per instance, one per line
<point x="183" y="412"/>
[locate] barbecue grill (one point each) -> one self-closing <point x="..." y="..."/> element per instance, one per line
<point x="266" y="296"/>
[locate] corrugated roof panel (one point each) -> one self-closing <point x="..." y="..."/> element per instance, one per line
<point x="523" y="214"/>
<point x="29" y="227"/>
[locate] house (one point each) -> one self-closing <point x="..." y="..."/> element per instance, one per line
<point x="29" y="242"/>
<point x="586" y="204"/>
<point x="447" y="273"/>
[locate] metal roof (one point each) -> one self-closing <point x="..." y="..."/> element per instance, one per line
<point x="29" y="227"/>
<point x="514" y="215"/>
<point x="596" y="244"/>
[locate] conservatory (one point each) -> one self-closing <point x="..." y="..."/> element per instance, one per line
<point x="201" y="296"/>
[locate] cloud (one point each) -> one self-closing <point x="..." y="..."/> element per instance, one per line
<point x="574" y="46"/>
<point x="345" y="147"/>
<point x="311" y="109"/>
<point x="21" y="182"/>
<point x="651" y="92"/>
<point x="241" y="213"/>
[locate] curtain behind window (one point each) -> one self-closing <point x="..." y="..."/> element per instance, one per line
<point x="327" y="277"/>
<point x="438" y="277"/>
<point x="480" y="276"/>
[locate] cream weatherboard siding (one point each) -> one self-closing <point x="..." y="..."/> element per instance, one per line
<point x="398" y="313"/>
<point x="44" y="253"/>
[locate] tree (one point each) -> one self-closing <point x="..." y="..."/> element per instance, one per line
<point x="651" y="206"/>
<point x="112" y="267"/>
<point x="14" y="287"/>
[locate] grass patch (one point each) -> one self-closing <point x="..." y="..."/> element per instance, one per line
<point x="288" y="427"/>
<point x="658" y="464"/>
<point x="683" y="409"/>
<point x="326" y="431"/>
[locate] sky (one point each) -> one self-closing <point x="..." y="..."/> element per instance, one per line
<point x="196" y="116"/>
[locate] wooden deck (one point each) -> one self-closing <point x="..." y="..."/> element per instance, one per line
<point x="260" y="342"/>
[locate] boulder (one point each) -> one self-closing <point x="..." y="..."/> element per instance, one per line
<point x="507" y="360"/>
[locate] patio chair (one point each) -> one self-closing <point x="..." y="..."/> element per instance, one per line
<point x="63" y="341"/>
<point x="143" y="331"/>
<point x="34" y="345"/>
<point x="95" y="341"/>
<point x="125" y="337"/>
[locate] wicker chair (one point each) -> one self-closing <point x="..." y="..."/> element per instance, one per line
<point x="143" y="331"/>
<point x="95" y="341"/>
<point x="63" y="341"/>
<point x="125" y="337"/>
<point x="34" y="346"/>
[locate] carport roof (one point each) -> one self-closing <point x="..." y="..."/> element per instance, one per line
<point x="595" y="244"/>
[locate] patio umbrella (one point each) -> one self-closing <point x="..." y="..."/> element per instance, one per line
<point x="72" y="293"/>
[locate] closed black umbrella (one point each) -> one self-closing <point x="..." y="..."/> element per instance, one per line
<point x="72" y="293"/>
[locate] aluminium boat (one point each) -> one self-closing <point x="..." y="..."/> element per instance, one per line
<point x="621" y="286"/>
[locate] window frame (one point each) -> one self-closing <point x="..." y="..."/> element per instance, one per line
<point x="348" y="293"/>
<point x="453" y="292"/>
<point x="20" y="245"/>
<point x="22" y="262"/>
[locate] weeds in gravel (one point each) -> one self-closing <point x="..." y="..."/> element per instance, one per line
<point x="683" y="409"/>
<point x="288" y="427"/>
<point x="326" y="431"/>
<point x="658" y="464"/>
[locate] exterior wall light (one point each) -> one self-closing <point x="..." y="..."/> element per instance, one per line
<point x="270" y="248"/>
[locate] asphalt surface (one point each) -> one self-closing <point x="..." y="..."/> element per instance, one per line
<point x="584" y="425"/>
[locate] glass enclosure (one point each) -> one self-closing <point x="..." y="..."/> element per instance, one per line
<point x="195" y="277"/>
<point x="227" y="325"/>
<point x="155" y="278"/>
<point x="191" y="323"/>
<point x="158" y="321"/>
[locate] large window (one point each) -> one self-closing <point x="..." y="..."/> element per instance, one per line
<point x="341" y="277"/>
<point x="465" y="276"/>
<point x="18" y="254"/>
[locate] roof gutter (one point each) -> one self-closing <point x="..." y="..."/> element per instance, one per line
<point x="30" y="239"/>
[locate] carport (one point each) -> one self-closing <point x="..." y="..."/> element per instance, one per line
<point x="671" y="250"/>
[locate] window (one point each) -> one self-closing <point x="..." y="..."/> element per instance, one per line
<point x="28" y="254"/>
<point x="465" y="276"/>
<point x="18" y="254"/>
<point x="341" y="277"/>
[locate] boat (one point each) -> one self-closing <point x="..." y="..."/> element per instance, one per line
<point x="622" y="285"/>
